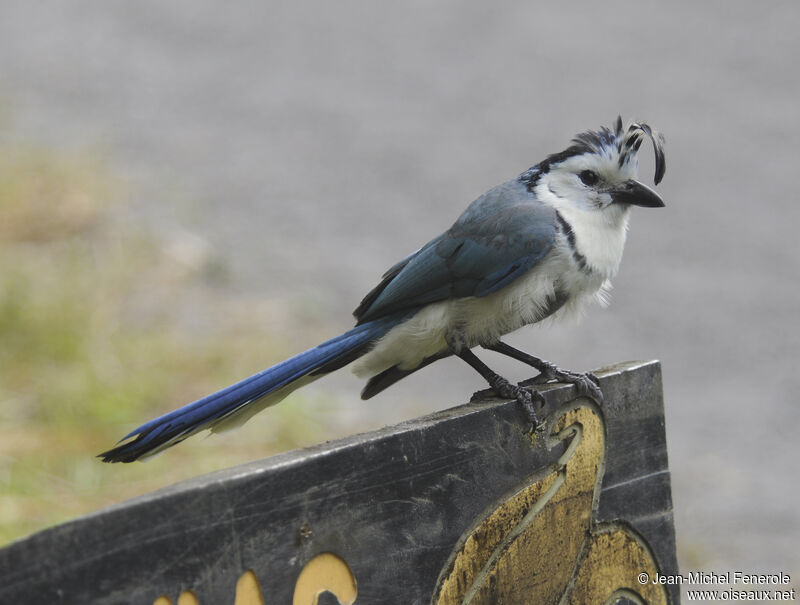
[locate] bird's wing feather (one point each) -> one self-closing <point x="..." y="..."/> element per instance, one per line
<point x="501" y="236"/>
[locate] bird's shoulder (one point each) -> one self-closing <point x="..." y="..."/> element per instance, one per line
<point x="507" y="209"/>
<point x="499" y="237"/>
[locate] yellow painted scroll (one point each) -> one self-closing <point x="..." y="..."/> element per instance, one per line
<point x="543" y="544"/>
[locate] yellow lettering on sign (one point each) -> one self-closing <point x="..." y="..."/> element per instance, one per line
<point x="248" y="590"/>
<point x="187" y="597"/>
<point x="325" y="572"/>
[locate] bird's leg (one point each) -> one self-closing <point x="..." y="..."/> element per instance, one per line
<point x="587" y="385"/>
<point x="502" y="387"/>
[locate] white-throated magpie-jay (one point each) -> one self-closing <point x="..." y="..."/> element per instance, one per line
<point x="540" y="245"/>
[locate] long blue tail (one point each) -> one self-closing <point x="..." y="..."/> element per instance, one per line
<point x="235" y="404"/>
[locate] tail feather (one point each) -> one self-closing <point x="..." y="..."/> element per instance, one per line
<point x="388" y="377"/>
<point x="238" y="402"/>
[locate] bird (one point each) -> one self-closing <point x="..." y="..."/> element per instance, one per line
<point x="544" y="244"/>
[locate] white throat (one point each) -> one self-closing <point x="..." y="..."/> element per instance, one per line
<point x="600" y="233"/>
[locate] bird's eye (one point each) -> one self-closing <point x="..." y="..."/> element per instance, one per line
<point x="588" y="177"/>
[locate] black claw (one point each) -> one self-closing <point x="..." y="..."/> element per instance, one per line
<point x="587" y="385"/>
<point x="536" y="398"/>
<point x="525" y="397"/>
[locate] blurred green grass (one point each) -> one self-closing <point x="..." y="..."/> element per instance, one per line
<point x="104" y="325"/>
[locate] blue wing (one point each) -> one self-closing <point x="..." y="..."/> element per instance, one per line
<point x="498" y="238"/>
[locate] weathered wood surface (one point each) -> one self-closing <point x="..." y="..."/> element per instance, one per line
<point x="459" y="506"/>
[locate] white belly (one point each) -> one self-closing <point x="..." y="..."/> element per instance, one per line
<point x="484" y="320"/>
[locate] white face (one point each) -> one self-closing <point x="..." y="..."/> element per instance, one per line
<point x="585" y="181"/>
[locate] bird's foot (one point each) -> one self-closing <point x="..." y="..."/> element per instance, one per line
<point x="526" y="396"/>
<point x="587" y="384"/>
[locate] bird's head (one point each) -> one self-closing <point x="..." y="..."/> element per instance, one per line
<point x="598" y="171"/>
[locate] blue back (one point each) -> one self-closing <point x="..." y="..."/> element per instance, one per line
<point x="498" y="238"/>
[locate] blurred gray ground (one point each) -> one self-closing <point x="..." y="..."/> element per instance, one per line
<point x="314" y="143"/>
